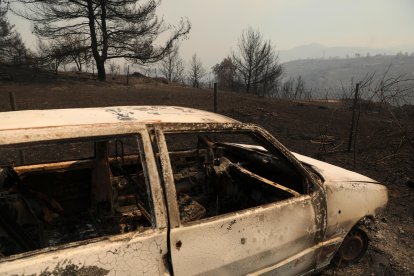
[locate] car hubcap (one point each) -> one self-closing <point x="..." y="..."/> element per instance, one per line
<point x="354" y="246"/>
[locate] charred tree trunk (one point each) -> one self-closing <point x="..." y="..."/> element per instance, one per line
<point x="100" y="65"/>
<point x="100" y="61"/>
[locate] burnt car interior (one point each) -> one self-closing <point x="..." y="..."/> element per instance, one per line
<point x="70" y="192"/>
<point x="220" y="173"/>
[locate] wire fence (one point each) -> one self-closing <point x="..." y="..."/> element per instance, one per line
<point x="397" y="95"/>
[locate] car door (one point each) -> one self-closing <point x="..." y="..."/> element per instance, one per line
<point x="133" y="253"/>
<point x="279" y="237"/>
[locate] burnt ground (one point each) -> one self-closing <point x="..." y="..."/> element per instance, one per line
<point x="383" y="149"/>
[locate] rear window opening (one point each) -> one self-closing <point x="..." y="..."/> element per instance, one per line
<point x="53" y="194"/>
<point x="219" y="173"/>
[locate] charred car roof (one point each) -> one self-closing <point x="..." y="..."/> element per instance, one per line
<point x="37" y="125"/>
<point x="107" y="115"/>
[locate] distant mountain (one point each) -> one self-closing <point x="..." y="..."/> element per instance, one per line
<point x="318" y="51"/>
<point x="332" y="73"/>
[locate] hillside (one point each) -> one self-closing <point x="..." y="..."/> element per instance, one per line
<point x="315" y="50"/>
<point x="332" y="73"/>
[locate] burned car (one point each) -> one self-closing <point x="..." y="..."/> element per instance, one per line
<point x="169" y="190"/>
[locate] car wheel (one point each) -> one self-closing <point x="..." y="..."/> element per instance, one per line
<point x="354" y="246"/>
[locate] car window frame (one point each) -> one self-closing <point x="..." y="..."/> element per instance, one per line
<point x="272" y="144"/>
<point x="95" y="133"/>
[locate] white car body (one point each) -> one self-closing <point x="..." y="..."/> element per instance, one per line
<point x="297" y="235"/>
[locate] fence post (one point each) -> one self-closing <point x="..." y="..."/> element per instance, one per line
<point x="13" y="101"/>
<point x="354" y="106"/>
<point x="128" y="75"/>
<point x="14" y="108"/>
<point x="215" y="97"/>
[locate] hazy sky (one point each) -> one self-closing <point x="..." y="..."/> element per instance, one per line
<point x="217" y="24"/>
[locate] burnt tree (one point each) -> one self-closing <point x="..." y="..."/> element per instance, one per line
<point x="196" y="71"/>
<point x="172" y="66"/>
<point x="114" y="29"/>
<point x="257" y="62"/>
<point x="12" y="48"/>
<point x="226" y="74"/>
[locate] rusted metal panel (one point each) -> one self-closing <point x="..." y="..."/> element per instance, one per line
<point x="173" y="215"/>
<point x="106" y="115"/>
<point x="101" y="183"/>
<point x="275" y="232"/>
<point x="154" y="182"/>
<point x="333" y="173"/>
<point x="245" y="241"/>
<point x="129" y="254"/>
<point x="348" y="202"/>
<point x="78" y="164"/>
<point x="350" y="196"/>
<point x="328" y="249"/>
<point x="59" y="133"/>
<point x="301" y="263"/>
<point x="134" y="253"/>
<point x="267" y="181"/>
<point x="73" y="165"/>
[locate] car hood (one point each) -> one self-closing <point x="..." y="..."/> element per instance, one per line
<point x="332" y="173"/>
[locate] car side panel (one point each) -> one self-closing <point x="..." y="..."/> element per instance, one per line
<point x="127" y="254"/>
<point x="367" y="200"/>
<point x="240" y="243"/>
